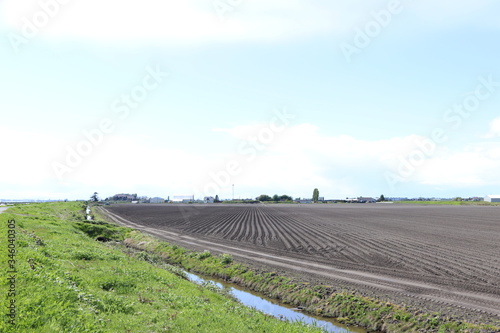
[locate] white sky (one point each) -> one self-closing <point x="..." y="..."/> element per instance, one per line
<point x="359" y="122"/>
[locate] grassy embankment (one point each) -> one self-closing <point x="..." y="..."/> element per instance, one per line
<point x="77" y="282"/>
<point x="65" y="281"/>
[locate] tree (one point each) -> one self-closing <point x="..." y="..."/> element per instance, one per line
<point x="94" y="197"/>
<point x="382" y="198"/>
<point x="276" y="198"/>
<point x="315" y="195"/>
<point x="216" y="198"/>
<point x="264" y="197"/>
<point x="285" y="197"/>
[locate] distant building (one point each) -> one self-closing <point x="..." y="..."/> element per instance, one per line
<point x="183" y="198"/>
<point x="367" y="200"/>
<point x="305" y="201"/>
<point x="210" y="200"/>
<point x="156" y="200"/>
<point x="397" y="199"/>
<point x="492" y="198"/>
<point x="125" y="197"/>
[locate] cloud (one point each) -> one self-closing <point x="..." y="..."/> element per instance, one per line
<point x="494" y="130"/>
<point x="25" y="156"/>
<point x="473" y="166"/>
<point x="197" y="21"/>
<point x="302" y="155"/>
<point x="130" y="162"/>
<point x="293" y="161"/>
<point x="175" y="21"/>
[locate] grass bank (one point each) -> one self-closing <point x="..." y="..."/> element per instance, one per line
<point x="59" y="279"/>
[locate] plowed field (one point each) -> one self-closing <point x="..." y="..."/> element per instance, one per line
<point x="441" y="258"/>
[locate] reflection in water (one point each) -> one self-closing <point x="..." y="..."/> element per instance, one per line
<point x="276" y="310"/>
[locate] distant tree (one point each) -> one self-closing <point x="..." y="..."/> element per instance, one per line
<point x="94" y="197"/>
<point x="315" y="195"/>
<point x="264" y="197"/>
<point x="285" y="197"/>
<point x="382" y="198"/>
<point x="276" y="198"/>
<point x="216" y="198"/>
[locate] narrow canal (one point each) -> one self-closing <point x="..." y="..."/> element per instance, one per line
<point x="275" y="309"/>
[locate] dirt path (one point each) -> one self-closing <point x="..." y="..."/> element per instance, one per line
<point x="455" y="301"/>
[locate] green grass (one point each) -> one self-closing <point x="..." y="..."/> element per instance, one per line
<point x="68" y="282"/>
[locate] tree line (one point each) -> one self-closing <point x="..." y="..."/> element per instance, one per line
<point x="276" y="198"/>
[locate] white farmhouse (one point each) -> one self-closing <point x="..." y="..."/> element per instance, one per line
<point x="209" y="200"/>
<point x="492" y="198"/>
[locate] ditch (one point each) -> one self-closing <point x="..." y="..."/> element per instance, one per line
<point x="271" y="307"/>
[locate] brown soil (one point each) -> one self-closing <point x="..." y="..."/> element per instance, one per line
<point x="431" y="258"/>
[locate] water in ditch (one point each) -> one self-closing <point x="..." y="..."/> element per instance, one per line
<point x="277" y="310"/>
<point x="87" y="211"/>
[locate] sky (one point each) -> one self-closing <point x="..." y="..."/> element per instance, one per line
<point x="165" y="98"/>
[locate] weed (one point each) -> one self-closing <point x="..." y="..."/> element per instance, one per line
<point x="204" y="255"/>
<point x="226" y="259"/>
